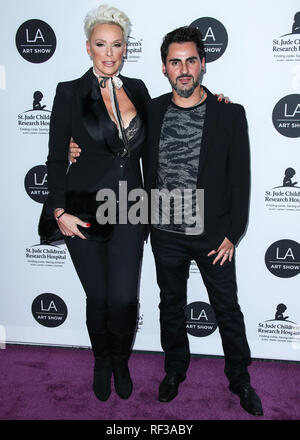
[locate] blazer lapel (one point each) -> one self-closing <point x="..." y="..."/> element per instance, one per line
<point x="209" y="129"/>
<point x="157" y="112"/>
<point x="91" y="105"/>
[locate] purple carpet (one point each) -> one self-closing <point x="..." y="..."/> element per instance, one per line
<point x="42" y="383"/>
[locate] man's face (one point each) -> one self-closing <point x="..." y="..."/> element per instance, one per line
<point x="183" y="68"/>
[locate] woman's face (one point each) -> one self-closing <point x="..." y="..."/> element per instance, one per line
<point x="107" y="47"/>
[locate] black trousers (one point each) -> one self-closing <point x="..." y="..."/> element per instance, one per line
<point x="109" y="273"/>
<point x="173" y="253"/>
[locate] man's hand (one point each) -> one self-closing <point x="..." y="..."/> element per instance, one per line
<point x="225" y="251"/>
<point x="221" y="97"/>
<point x="74" y="151"/>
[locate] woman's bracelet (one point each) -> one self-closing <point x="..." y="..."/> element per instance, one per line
<point x="58" y="216"/>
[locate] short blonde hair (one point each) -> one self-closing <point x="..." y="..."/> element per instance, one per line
<point x="106" y="14"/>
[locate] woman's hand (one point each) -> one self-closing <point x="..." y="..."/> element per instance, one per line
<point x="67" y="224"/>
<point x="221" y="97"/>
<point x="74" y="151"/>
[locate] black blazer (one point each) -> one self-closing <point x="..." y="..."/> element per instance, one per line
<point x="79" y="111"/>
<point x="224" y="165"/>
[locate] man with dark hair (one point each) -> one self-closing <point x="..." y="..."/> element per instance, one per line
<point x="197" y="143"/>
<point x="184" y="34"/>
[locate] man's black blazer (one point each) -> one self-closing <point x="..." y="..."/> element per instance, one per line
<point x="224" y="165"/>
<point x="79" y="111"/>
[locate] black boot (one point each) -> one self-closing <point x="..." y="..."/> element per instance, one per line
<point x="103" y="365"/>
<point x="120" y="351"/>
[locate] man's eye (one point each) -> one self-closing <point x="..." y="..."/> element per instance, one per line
<point x="174" y="63"/>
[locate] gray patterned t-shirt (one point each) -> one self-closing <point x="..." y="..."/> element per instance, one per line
<point x="178" y="164"/>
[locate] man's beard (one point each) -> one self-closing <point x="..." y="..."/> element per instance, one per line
<point x="185" y="93"/>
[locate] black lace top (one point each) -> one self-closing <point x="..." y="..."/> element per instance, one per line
<point x="133" y="127"/>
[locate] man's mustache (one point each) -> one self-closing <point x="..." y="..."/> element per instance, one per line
<point x="184" y="76"/>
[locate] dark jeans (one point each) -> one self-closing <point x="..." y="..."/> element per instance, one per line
<point x="173" y="253"/>
<point x="109" y="273"/>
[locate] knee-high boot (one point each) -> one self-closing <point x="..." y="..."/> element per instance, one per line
<point x="103" y="365"/>
<point x="120" y="352"/>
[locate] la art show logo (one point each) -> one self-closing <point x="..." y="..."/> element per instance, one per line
<point x="35" y="41"/>
<point x="36" y="183"/>
<point x="280" y="328"/>
<point x="286" y="116"/>
<point x="200" y="319"/>
<point x="214" y="37"/>
<point x="49" y="310"/>
<point x="286" y="47"/>
<point x="284" y="197"/>
<point x="35" y="120"/>
<point x="282" y="258"/>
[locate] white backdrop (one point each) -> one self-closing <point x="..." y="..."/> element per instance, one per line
<point x="259" y="68"/>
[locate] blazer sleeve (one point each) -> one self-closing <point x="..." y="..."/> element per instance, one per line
<point x="239" y="175"/>
<point x="59" y="138"/>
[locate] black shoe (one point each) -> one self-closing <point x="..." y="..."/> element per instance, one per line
<point x="120" y="352"/>
<point x="103" y="365"/>
<point x="102" y="381"/>
<point x="123" y="382"/>
<point x="248" y="398"/>
<point x="168" y="389"/>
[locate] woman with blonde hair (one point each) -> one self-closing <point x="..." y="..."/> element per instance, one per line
<point x="104" y="112"/>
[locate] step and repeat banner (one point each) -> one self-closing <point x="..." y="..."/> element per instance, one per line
<point x="253" y="56"/>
